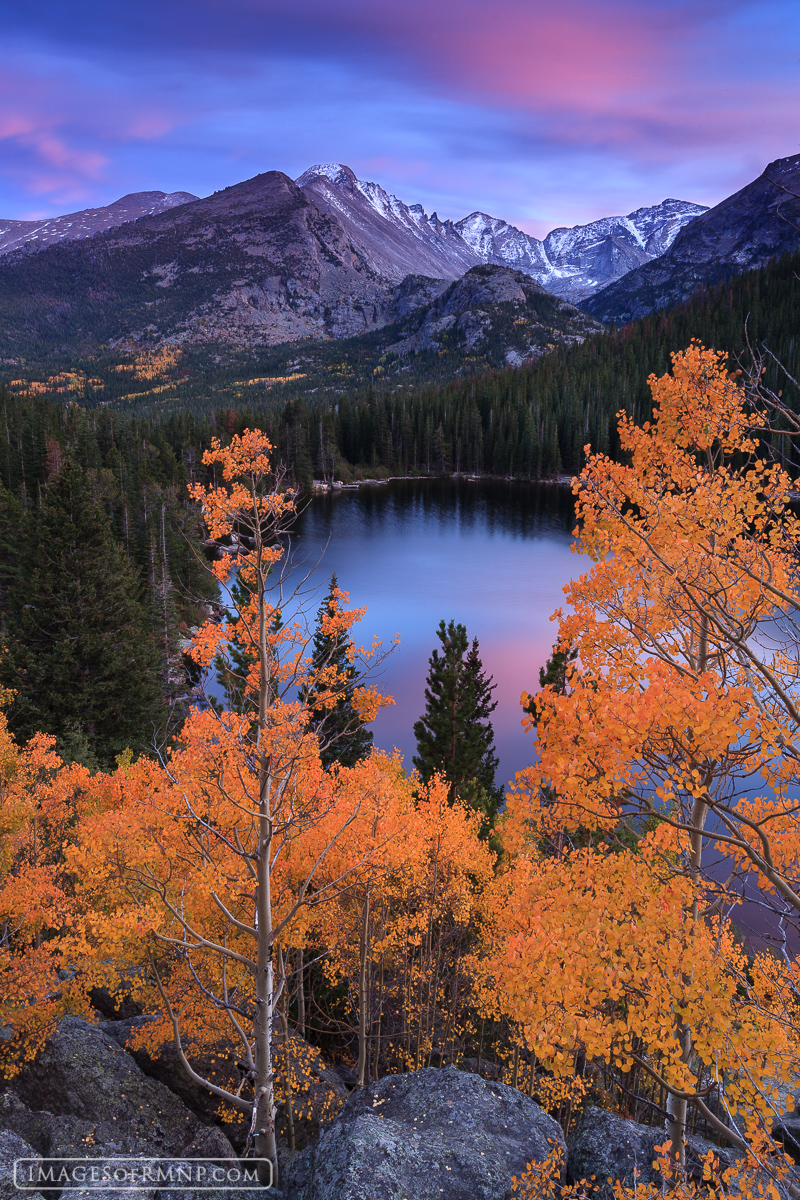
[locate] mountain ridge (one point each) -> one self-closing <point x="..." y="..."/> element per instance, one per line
<point x="569" y="262"/>
<point x="260" y="263"/>
<point x="271" y="260"/>
<point x="744" y="230"/>
<point x="402" y="239"/>
<point x="15" y="235"/>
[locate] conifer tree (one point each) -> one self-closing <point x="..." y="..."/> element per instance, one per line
<point x="553" y="675"/>
<point x="232" y="668"/>
<point x="455" y="736"/>
<point x="343" y="735"/>
<point x="78" y="649"/>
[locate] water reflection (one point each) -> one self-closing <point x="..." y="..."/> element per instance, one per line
<point x="494" y="555"/>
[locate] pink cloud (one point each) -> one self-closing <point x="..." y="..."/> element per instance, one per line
<point x="61" y="127"/>
<point x="579" y="52"/>
<point x="151" y="124"/>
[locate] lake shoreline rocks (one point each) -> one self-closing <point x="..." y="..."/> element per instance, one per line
<point x="323" y="486"/>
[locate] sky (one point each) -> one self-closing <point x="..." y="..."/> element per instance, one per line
<point x="542" y="112"/>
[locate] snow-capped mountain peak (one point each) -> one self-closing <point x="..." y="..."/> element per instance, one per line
<point x="396" y="239"/>
<point x="337" y="174"/>
<point x="571" y="262"/>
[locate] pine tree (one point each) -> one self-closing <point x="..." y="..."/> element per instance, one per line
<point x="553" y="675"/>
<point x="78" y="648"/>
<point x="455" y="736"/>
<point x="343" y="736"/>
<point x="233" y="667"/>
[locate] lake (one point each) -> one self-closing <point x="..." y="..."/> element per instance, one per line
<point x="492" y="554"/>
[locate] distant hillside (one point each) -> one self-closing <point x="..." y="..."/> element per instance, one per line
<point x="529" y="422"/>
<point x="526" y="420"/>
<point x="35" y="235"/>
<point x="490" y="318"/>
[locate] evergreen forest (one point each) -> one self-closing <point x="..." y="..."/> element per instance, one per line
<point x="350" y="414"/>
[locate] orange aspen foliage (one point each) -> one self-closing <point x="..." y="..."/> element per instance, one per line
<point x="683" y="695"/>
<point x="213" y="863"/>
<point x="37" y="808"/>
<point x="401" y="935"/>
<point x="681" y="709"/>
<point x="745" y="1180"/>
<point x="595" y="952"/>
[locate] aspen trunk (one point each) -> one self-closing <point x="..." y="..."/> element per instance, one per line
<point x="301" y="994"/>
<point x="264" y="1101"/>
<point x="363" y="1000"/>
<point x="675" y="1126"/>
<point x="265" y="1140"/>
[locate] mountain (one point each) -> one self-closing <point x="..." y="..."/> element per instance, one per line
<point x="574" y="263"/>
<point x="263" y="262"/>
<point x="397" y="239"/>
<point x="571" y="263"/>
<point x="492" y="313"/>
<point x="84" y="224"/>
<point x="258" y="263"/>
<point x="745" y="230"/>
<point x="272" y="260"/>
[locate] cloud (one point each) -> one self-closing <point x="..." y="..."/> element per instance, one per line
<point x="541" y="113"/>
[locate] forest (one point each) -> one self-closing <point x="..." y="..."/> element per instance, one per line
<point x="344" y="411"/>
<point x="271" y="889"/>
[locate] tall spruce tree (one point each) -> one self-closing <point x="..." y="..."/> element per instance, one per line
<point x="454" y="735"/>
<point x="79" y="650"/>
<point x="343" y="735"/>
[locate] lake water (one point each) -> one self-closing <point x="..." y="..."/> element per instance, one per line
<point x="491" y="554"/>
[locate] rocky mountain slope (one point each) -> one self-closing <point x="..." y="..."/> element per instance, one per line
<point x="255" y="264"/>
<point x="492" y="313"/>
<point x="271" y="260"/>
<point x="258" y="264"/>
<point x="746" y="229"/>
<point x="329" y="256"/>
<point x="34" y="235"/>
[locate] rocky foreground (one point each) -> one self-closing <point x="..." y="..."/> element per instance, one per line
<point x="427" y="1135"/>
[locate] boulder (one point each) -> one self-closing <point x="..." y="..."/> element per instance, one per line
<point x="428" y="1135"/>
<point x="606" y="1146"/>
<point x="319" y="1090"/>
<point x="83" y="1095"/>
<point x="12" y="1147"/>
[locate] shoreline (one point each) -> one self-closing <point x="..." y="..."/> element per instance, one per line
<point x="321" y="487"/>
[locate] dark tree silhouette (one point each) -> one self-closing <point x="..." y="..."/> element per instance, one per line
<point x="454" y="735"/>
<point x="343" y="735"/>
